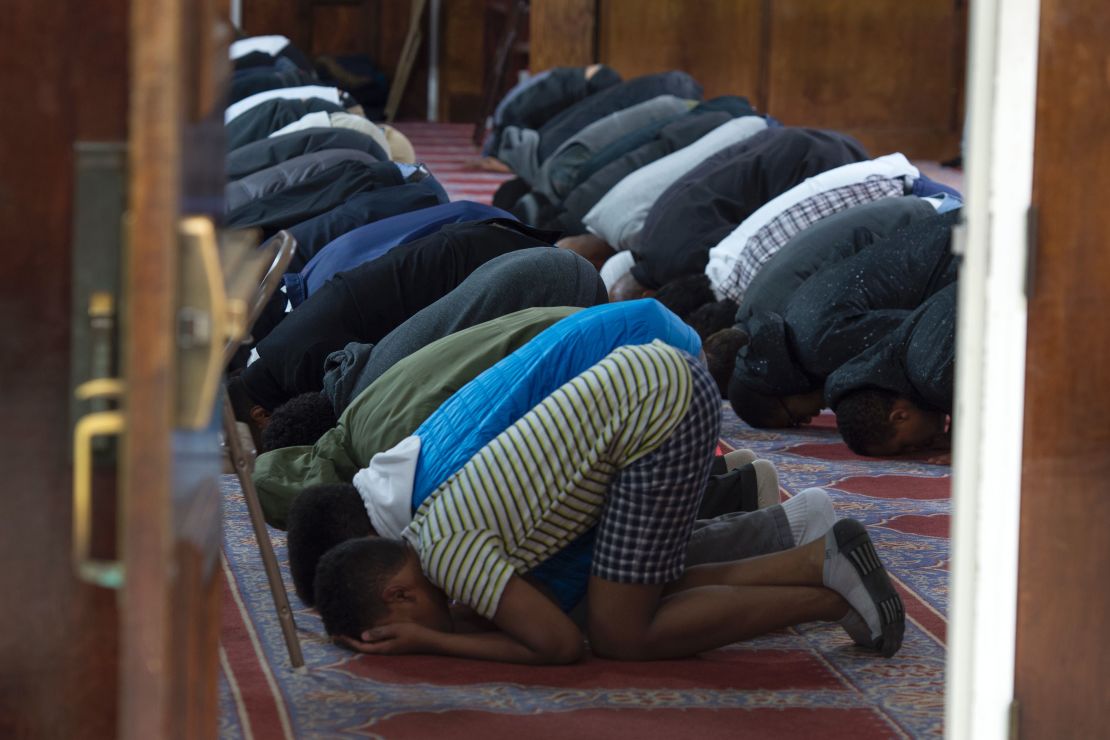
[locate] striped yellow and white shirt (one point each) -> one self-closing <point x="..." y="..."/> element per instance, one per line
<point x="542" y="482"/>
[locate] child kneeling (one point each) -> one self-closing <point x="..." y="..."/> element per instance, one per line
<point x="626" y="445"/>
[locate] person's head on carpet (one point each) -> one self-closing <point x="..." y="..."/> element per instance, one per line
<point x="879" y="423"/>
<point x="372" y="582"/>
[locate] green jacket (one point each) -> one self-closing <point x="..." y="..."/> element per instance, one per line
<point x="392" y="407"/>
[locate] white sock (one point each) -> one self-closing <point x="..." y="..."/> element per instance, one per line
<point x="841" y="576"/>
<point x="810" y="514"/>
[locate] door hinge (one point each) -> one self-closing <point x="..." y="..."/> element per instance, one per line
<point x="1015" y="716"/>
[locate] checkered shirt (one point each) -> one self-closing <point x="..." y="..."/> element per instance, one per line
<point x="650" y="510"/>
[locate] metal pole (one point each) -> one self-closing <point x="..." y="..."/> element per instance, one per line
<point x="433" y="61"/>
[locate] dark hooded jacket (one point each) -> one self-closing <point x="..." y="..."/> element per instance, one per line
<point x="916" y="361"/>
<point x="846" y="308"/>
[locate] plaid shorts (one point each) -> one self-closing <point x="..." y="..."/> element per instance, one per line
<point x="651" y="505"/>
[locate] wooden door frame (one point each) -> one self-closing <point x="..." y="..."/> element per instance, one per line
<point x="990" y="373"/>
<point x="146" y="472"/>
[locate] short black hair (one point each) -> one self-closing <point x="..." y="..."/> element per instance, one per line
<point x="710" y="318"/>
<point x="757" y="409"/>
<point x="320" y="518"/>
<point x="686" y="294"/>
<point x="349" y="583"/>
<point x="863" y="418"/>
<point x="301" y="420"/>
<point x="720" y="355"/>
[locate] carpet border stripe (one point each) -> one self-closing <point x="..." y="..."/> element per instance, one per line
<point x="260" y="663"/>
<point x="236" y="695"/>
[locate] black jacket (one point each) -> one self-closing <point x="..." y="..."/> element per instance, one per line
<point x="917" y="360"/>
<point x="703" y="206"/>
<point x="846" y="308"/>
<point x="368" y="302"/>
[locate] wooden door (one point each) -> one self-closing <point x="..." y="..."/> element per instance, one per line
<point x="111" y="618"/>
<point x="171" y="459"/>
<point x="64" y="81"/>
<point x="1062" y="670"/>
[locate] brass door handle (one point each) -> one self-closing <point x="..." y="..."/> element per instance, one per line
<point x="107" y="573"/>
<point x="99" y="388"/>
<point x="207" y="321"/>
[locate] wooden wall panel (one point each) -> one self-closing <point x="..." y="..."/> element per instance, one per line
<point x="885" y="71"/>
<point x="65" y="71"/>
<point x="462" y="65"/>
<point x="1062" y="680"/>
<point x="469" y="33"/>
<point x="562" y="33"/>
<point x="277" y="16"/>
<point x="343" y="29"/>
<point x="716" y="41"/>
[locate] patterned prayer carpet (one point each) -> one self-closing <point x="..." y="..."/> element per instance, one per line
<point x="801" y="682"/>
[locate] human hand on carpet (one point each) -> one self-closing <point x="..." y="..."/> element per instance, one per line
<point x="399" y="638"/>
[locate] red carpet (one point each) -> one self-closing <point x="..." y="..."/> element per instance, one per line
<point x="804" y="682"/>
<point x="446" y="149"/>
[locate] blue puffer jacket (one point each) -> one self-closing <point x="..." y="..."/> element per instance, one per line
<point x="501" y="395"/>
